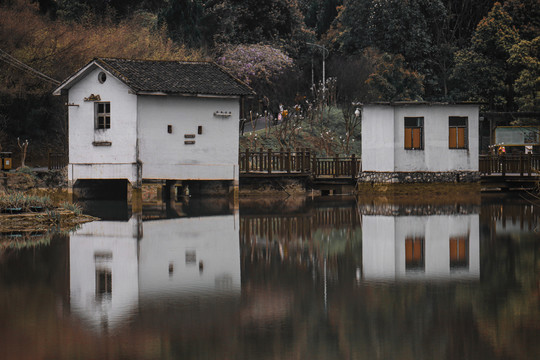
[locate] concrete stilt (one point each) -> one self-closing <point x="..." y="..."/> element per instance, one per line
<point x="136" y="200"/>
<point x="234" y="191"/>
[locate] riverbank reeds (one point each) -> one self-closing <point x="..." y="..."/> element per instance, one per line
<point x="18" y="202"/>
<point x="29" y="212"/>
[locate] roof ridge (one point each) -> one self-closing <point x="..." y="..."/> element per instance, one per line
<point x="170" y="76"/>
<point x="158" y="60"/>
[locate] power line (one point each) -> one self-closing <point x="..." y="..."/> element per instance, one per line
<point x="4" y="56"/>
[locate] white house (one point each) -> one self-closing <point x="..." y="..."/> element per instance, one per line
<point x="142" y="119"/>
<point x="117" y="266"/>
<point x="421" y="247"/>
<point x="419" y="142"/>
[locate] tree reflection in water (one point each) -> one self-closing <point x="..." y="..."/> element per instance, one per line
<point x="322" y="279"/>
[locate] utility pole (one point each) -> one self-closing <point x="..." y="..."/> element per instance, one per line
<point x="324" y="53"/>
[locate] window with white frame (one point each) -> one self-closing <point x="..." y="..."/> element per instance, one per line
<point x="103" y="115"/>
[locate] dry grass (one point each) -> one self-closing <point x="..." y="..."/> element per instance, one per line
<point x="61" y="218"/>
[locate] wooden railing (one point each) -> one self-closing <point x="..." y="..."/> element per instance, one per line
<point x="57" y="161"/>
<point x="296" y="227"/>
<point x="299" y="161"/>
<point x="524" y="165"/>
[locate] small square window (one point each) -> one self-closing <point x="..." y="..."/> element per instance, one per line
<point x="103" y="282"/>
<point x="414" y="253"/>
<point x="459" y="252"/>
<point x="457" y="132"/>
<point x="103" y="115"/>
<point x="414" y="133"/>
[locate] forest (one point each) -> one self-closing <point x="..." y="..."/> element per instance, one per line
<point x="374" y="50"/>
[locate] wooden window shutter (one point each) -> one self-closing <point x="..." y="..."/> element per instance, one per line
<point x="453" y="249"/>
<point x="417" y="138"/>
<point x="462" y="253"/>
<point x="417" y="254"/>
<point x="408" y="138"/>
<point x="408" y="249"/>
<point x="452" y="141"/>
<point x="458" y="249"/>
<point x="461" y="137"/>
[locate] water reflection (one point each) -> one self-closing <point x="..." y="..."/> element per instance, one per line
<point x="117" y="265"/>
<point x="326" y="278"/>
<point x="103" y="264"/>
<point x="423" y="243"/>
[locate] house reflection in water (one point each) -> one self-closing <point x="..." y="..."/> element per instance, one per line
<point x="420" y="244"/>
<point x="116" y="265"/>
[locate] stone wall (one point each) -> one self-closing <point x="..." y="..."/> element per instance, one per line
<point x="376" y="177"/>
<point x="418" y="209"/>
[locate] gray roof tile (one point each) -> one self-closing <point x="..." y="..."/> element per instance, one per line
<point x="175" y="77"/>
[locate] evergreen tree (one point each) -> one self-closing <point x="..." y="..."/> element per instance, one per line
<point x="275" y="22"/>
<point x="483" y="71"/>
<point x="183" y="19"/>
<point x="526" y="55"/>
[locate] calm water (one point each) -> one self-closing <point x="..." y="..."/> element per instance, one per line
<point x="327" y="278"/>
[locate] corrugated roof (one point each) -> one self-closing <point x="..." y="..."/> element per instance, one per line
<point x="172" y="77"/>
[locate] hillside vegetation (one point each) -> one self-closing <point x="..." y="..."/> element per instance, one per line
<point x="374" y="50"/>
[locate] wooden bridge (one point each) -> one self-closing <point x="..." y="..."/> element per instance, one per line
<point x="509" y="165"/>
<point x="299" y="162"/>
<point x="509" y="172"/>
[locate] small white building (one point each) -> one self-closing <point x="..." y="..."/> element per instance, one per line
<point x="419" y="142"/>
<point x="142" y="120"/>
<point x="115" y="267"/>
<point x="421" y="247"/>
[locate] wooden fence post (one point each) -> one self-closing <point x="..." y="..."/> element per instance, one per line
<point x="261" y="159"/>
<point x="314" y="166"/>
<point x="300" y="155"/>
<point x="269" y="160"/>
<point x="353" y="166"/>
<point x="288" y="160"/>
<point x="336" y="166"/>
<point x="246" y="169"/>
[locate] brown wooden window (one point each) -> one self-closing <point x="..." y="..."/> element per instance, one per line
<point x="414" y="253"/>
<point x="414" y="133"/>
<point x="459" y="252"/>
<point x="103" y="115"/>
<point x="457" y="132"/>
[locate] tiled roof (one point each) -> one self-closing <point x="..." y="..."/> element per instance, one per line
<point x="175" y="77"/>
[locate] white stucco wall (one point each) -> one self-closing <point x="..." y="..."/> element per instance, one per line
<point x="119" y="239"/>
<point x="378" y="247"/>
<point x="116" y="161"/>
<point x="165" y="156"/>
<point x="377" y="138"/>
<point x="383" y="140"/>
<point x="140" y="256"/>
<point x="383" y="246"/>
<point x="213" y="241"/>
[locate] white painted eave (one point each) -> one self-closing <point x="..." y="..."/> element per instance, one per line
<point x="79" y="75"/>
<point x="160" y="93"/>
